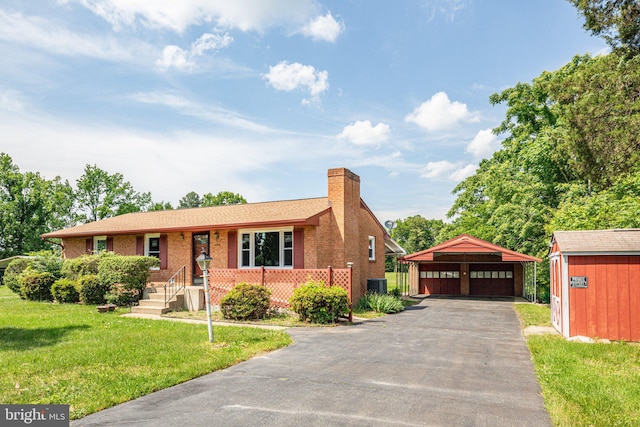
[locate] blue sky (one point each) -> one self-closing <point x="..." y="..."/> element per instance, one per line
<point x="261" y="97"/>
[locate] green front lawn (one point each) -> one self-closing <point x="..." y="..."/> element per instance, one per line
<point x="584" y="384"/>
<point x="71" y="354"/>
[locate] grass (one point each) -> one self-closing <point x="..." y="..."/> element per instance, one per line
<point x="285" y="319"/>
<point x="584" y="384"/>
<point x="71" y="354"/>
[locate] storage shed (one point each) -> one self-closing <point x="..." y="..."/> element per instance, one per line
<point x="466" y="265"/>
<point x="595" y="283"/>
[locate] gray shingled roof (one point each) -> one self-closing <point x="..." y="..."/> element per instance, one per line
<point x="590" y="241"/>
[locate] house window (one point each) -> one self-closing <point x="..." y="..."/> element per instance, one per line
<point x="372" y="248"/>
<point x="269" y="248"/>
<point x="99" y="244"/>
<point x="152" y="246"/>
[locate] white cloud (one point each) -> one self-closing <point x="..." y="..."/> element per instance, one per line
<point x="364" y="133"/>
<point x="288" y="77"/>
<point x="483" y="145"/>
<point x="45" y="35"/>
<point x="440" y="113"/>
<point x="12" y="100"/>
<point x="446" y="170"/>
<point x="323" y="28"/>
<point x="176" y="57"/>
<point x="245" y="15"/>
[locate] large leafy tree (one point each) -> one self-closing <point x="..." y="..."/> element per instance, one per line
<point x="222" y="198"/>
<point x="30" y="206"/>
<point x="190" y="200"/>
<point x="416" y="233"/>
<point x="102" y="195"/>
<point x="617" y="21"/>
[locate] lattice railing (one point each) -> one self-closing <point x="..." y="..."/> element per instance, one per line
<point x="282" y="283"/>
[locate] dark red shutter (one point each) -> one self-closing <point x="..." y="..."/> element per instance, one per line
<point x="298" y="248"/>
<point x="109" y="244"/>
<point x="232" y="249"/>
<point x="139" y="245"/>
<point x="163" y="252"/>
<point x="89" y="245"/>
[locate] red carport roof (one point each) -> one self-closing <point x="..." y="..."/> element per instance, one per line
<point x="467" y="244"/>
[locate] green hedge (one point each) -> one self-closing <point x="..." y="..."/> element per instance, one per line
<point x="130" y="273"/>
<point x="91" y="290"/>
<point x="73" y="268"/>
<point x="36" y="285"/>
<point x="64" y="291"/>
<point x="245" y="301"/>
<point x="317" y="303"/>
<point x="12" y="274"/>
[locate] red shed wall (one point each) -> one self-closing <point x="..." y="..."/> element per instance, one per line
<point x="610" y="306"/>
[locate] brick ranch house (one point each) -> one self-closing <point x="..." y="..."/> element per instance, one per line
<point x="289" y="241"/>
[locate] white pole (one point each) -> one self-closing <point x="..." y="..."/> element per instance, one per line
<point x="205" y="274"/>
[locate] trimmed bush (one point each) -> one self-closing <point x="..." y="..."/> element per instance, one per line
<point x="381" y="303"/>
<point x="12" y="273"/>
<point x="91" y="290"/>
<point x="121" y="295"/>
<point x="36" y="285"/>
<point x="245" y="301"/>
<point x="73" y="268"/>
<point x="64" y="291"/>
<point x="129" y="272"/>
<point x="317" y="303"/>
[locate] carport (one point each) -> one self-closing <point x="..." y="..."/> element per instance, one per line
<point x="466" y="265"/>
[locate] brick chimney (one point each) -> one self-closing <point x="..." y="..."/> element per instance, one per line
<point x="344" y="195"/>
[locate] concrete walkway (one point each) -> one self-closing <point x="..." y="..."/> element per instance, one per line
<point x="444" y="362"/>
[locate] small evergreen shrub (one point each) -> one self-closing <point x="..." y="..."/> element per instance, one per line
<point x="73" y="268"/>
<point x="381" y="303"/>
<point x="36" y="285"/>
<point x="122" y="295"/>
<point x="245" y="301"/>
<point x="91" y="290"/>
<point x="317" y="303"/>
<point x="395" y="292"/>
<point x="64" y="291"/>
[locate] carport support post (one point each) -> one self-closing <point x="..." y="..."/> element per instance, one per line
<point x="535" y="282"/>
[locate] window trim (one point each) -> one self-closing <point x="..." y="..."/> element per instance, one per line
<point x="372" y="248"/>
<point x="252" y="256"/>
<point x="96" y="240"/>
<point x="147" y="237"/>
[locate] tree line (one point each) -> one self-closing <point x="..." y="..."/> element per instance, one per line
<point x="31" y="205"/>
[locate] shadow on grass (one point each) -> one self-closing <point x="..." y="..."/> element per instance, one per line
<point x="20" y="339"/>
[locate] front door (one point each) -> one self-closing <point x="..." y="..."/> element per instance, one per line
<point x="200" y="242"/>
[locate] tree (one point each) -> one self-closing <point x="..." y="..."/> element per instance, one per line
<point x="223" y="198"/>
<point x="160" y="206"/>
<point x="102" y="195"/>
<point x="30" y="206"/>
<point x="617" y="21"/>
<point x="416" y="233"/>
<point x="190" y="200"/>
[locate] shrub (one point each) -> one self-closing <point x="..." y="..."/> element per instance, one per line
<point x="73" y="268"/>
<point x="315" y="302"/>
<point x="121" y="295"/>
<point x="91" y="290"/>
<point x="64" y="291"/>
<point x="49" y="261"/>
<point x="129" y="272"/>
<point x="381" y="303"/>
<point x="245" y="301"/>
<point x="395" y="292"/>
<point x="36" y="285"/>
<point x="12" y="273"/>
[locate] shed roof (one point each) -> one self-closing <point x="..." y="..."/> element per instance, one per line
<point x="598" y="241"/>
<point x="467" y="244"/>
<point x="280" y="213"/>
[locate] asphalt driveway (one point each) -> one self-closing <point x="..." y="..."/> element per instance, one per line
<point x="444" y="362"/>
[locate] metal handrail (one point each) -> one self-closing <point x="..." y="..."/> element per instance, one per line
<point x="175" y="284"/>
